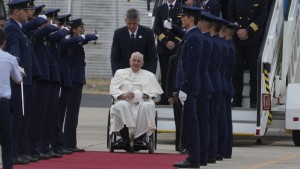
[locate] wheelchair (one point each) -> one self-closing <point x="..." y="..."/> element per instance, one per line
<point x="113" y="140"/>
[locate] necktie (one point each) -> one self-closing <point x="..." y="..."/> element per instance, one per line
<point x="132" y="38"/>
<point x="170" y="7"/>
<point x="170" y="11"/>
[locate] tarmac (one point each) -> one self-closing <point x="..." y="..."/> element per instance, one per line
<point x="277" y="150"/>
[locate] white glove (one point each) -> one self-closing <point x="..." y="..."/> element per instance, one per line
<point x="66" y="28"/>
<point x="43" y="16"/>
<point x="83" y="36"/>
<point x="167" y="24"/>
<point x="182" y="97"/>
<point x="52" y="23"/>
<point x="22" y="71"/>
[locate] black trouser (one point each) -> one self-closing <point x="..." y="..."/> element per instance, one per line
<point x="245" y="54"/>
<point x="63" y="103"/>
<point x="164" y="62"/>
<point x="6" y="133"/>
<point x="71" y="120"/>
<point x="19" y="121"/>
<point x="34" y="123"/>
<point x="177" y="108"/>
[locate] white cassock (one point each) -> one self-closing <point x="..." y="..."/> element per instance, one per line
<point x="137" y="114"/>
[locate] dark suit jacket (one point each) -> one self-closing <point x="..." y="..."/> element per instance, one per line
<point x="190" y="55"/>
<point x="122" y="48"/>
<point x="250" y="15"/>
<point x="19" y="45"/>
<point x="164" y="35"/>
<point x="213" y="7"/>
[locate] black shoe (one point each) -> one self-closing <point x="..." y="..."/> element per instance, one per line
<point x="203" y="164"/>
<point x="236" y="103"/>
<point x="76" y="149"/>
<point x="219" y="158"/>
<point x="227" y="157"/>
<point x="211" y="160"/>
<point x="44" y="156"/>
<point x="253" y="105"/>
<point x="30" y="158"/>
<point x="185" y="164"/>
<point x="54" y="155"/>
<point x="63" y="151"/>
<point x="20" y="160"/>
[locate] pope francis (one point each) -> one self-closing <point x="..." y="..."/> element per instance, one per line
<point x="133" y="113"/>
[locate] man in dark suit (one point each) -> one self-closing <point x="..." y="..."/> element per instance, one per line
<point x="190" y="55"/>
<point x="19" y="45"/>
<point x="133" y="38"/>
<point x="166" y="40"/>
<point x="251" y="16"/>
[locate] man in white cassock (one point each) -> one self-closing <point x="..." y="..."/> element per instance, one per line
<point x="133" y="113"/>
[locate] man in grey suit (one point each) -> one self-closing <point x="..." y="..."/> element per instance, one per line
<point x="133" y="38"/>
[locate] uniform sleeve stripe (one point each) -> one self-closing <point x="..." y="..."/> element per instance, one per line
<point x="254" y="26"/>
<point x="161" y="37"/>
<point x="178" y="39"/>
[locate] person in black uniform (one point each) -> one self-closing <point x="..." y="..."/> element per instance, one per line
<point x="166" y="40"/>
<point x="77" y="67"/>
<point x="224" y="8"/>
<point x="251" y="16"/>
<point x="211" y="6"/>
<point x="133" y="38"/>
<point x="190" y="54"/>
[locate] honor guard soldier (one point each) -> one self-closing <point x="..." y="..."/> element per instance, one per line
<point x="190" y="55"/>
<point x="77" y="65"/>
<point x="55" y="40"/>
<point x="205" y="24"/>
<point x="217" y="94"/>
<point x="166" y="40"/>
<point x="251" y="16"/>
<point x="19" y="45"/>
<point x="229" y="32"/>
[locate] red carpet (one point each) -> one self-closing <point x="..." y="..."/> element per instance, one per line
<point x="106" y="160"/>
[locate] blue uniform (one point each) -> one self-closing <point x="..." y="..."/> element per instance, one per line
<point x="19" y="45"/>
<point x="222" y="118"/>
<point x="77" y="65"/>
<point x="216" y="95"/>
<point x="228" y="97"/>
<point x="192" y="46"/>
<point x="213" y="7"/>
<point x="204" y="95"/>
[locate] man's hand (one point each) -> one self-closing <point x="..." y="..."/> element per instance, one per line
<point x="171" y="100"/>
<point x="22" y="71"/>
<point x="189" y="2"/>
<point x="242" y="34"/>
<point x="182" y="97"/>
<point x="170" y="45"/>
<point x="167" y="24"/>
<point x="129" y="95"/>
